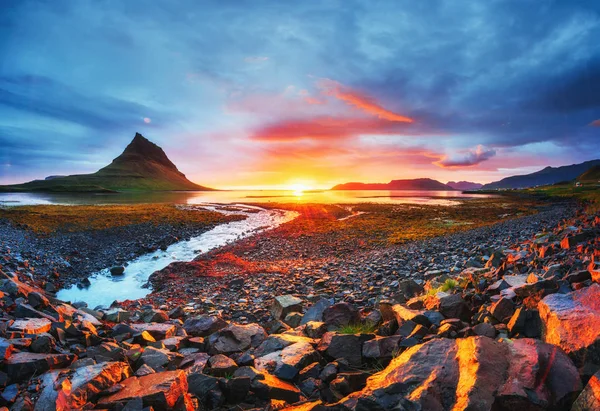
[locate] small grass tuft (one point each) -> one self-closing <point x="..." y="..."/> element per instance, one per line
<point x="359" y="328"/>
<point x="449" y="285"/>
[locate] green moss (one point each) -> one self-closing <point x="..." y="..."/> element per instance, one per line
<point x="359" y="328"/>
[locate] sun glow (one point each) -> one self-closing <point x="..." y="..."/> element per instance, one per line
<point x="298" y="189"/>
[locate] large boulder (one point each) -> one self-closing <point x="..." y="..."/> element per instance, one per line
<point x="203" y="325"/>
<point x="22" y="365"/>
<point x="287" y="363"/>
<point x="589" y="399"/>
<point x="340" y="315"/>
<point x="572" y="321"/>
<point x="236" y="338"/>
<point x="347" y="346"/>
<point x="160" y="390"/>
<point x="284" y="304"/>
<point x="474" y="373"/>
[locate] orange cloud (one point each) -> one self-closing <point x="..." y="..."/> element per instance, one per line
<point x="467" y="158"/>
<point x="595" y="123"/>
<point x="325" y="128"/>
<point x="360" y="101"/>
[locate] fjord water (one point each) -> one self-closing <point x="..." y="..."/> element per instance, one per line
<point x="105" y="288"/>
<point x="244" y="196"/>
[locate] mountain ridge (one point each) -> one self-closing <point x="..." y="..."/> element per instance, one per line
<point x="546" y="176"/>
<point x="142" y="166"/>
<point x="406" y="184"/>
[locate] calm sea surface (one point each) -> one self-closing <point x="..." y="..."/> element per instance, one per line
<point x="238" y="196"/>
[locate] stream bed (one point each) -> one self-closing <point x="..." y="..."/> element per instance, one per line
<point x="132" y="284"/>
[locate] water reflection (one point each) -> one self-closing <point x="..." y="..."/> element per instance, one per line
<point x="239" y="196"/>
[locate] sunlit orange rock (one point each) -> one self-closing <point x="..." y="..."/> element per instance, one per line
<point x="589" y="399"/>
<point x="160" y="390"/>
<point x="474" y="373"/>
<point x="572" y="321"/>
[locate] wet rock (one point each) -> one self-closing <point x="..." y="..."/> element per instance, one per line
<point x="472" y="373"/>
<point x="571" y="321"/>
<point x="160" y="391"/>
<point x="203" y="325"/>
<point x="285" y="304"/>
<point x="339" y="315"/>
<point x="117" y="270"/>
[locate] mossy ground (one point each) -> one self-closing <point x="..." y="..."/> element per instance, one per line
<point x="47" y="219"/>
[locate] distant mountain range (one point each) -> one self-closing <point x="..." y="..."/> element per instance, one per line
<point x="549" y="175"/>
<point x="592" y="175"/>
<point x="414" y="184"/>
<point x="464" y="185"/>
<point x="143" y="166"/>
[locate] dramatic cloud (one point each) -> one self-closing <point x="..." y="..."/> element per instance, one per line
<point x="467" y="159"/>
<point x="269" y="91"/>
<point x="360" y="101"/>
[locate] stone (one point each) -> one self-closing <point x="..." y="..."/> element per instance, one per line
<point x="155" y="316"/>
<point x="525" y="322"/>
<point x="285" y="304"/>
<point x="203" y="325"/>
<point x="572" y="322"/>
<point x="315" y="329"/>
<point x="158" y="358"/>
<point x="22" y="365"/>
<point x="6" y="349"/>
<point x="221" y="366"/>
<point x="404" y="314"/>
<point x="31" y="325"/>
<point x="381" y="347"/>
<point x="315" y="312"/>
<point x="83" y="386"/>
<point x="503" y="309"/>
<point x="268" y="386"/>
<point x="117" y="315"/>
<point x="117" y="270"/>
<point x="236" y="389"/>
<point x="106" y="351"/>
<point x="340" y="315"/>
<point x="287" y="363"/>
<point x="589" y="399"/>
<point x="159" y="331"/>
<point x="160" y="390"/>
<point x="293" y="319"/>
<point x="201" y="384"/>
<point x="236" y="338"/>
<point x="485" y="329"/>
<point x="472" y="373"/>
<point x="449" y="305"/>
<point x="347" y="346"/>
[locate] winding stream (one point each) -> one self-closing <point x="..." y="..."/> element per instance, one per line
<point x="105" y="288"/>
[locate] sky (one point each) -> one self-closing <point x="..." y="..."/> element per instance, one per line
<point x="259" y="94"/>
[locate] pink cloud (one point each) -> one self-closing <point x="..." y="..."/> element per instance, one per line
<point x="360" y="101"/>
<point x="595" y="123"/>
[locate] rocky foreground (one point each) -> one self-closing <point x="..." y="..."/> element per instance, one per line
<point x="517" y="329"/>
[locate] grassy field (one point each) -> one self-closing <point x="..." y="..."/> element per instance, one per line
<point x="45" y="219"/>
<point x="589" y="193"/>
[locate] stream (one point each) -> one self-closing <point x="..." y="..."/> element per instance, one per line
<point x="106" y="288"/>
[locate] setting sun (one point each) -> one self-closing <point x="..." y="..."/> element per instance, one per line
<point x="298" y="189"/>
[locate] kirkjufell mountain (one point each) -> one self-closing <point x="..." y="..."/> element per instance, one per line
<point x="143" y="166"/>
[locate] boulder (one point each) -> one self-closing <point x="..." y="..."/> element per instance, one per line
<point x="159" y="331"/>
<point x="117" y="315"/>
<point x="236" y="338"/>
<point x="404" y="314"/>
<point x="572" y="322"/>
<point x="503" y="309"/>
<point x="315" y="312"/>
<point x="117" y="270"/>
<point x="22" y="365"/>
<point x="340" y="315"/>
<point x="161" y="390"/>
<point x="347" y="346"/>
<point x="381" y="347"/>
<point x="287" y="363"/>
<point x="472" y="373"/>
<point x="285" y="304"/>
<point x="203" y="325"/>
<point x="221" y="366"/>
<point x="589" y="399"/>
<point x="449" y="305"/>
<point x="31" y="325"/>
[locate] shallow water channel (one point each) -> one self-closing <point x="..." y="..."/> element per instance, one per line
<point x="105" y="288"/>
